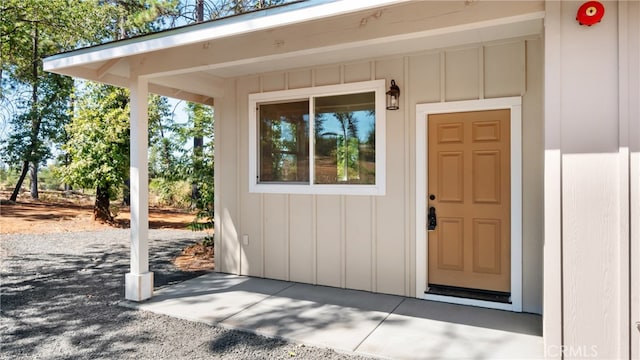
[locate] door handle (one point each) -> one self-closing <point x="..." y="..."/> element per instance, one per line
<point x="432" y="222"/>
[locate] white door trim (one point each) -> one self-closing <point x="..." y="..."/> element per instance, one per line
<point x="422" y="113"/>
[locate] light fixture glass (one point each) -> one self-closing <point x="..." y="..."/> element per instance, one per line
<point x="393" y="96"/>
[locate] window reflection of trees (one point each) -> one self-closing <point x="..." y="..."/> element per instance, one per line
<point x="284" y="142"/>
<point x="341" y="154"/>
<point x="344" y="140"/>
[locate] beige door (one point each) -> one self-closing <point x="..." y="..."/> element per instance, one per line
<point x="469" y="188"/>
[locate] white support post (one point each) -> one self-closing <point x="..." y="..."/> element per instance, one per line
<point x="552" y="318"/>
<point x="139" y="281"/>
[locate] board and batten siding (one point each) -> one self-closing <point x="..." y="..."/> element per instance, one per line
<point x="368" y="242"/>
<point x="592" y="132"/>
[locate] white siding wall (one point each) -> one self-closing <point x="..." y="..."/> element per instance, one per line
<point x="368" y="242"/>
<point x="630" y="94"/>
<point x="592" y="84"/>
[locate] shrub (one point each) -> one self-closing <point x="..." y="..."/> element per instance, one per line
<point x="171" y="193"/>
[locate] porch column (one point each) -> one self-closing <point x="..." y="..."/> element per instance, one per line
<point x="552" y="252"/>
<point x="139" y="281"/>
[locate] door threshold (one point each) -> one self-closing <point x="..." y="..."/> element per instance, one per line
<point x="462" y="298"/>
<point x="475" y="294"/>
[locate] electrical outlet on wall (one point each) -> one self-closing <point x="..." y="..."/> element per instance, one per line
<point x="245" y="239"/>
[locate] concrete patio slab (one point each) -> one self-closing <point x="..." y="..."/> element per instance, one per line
<point x="210" y="298"/>
<point x="378" y="325"/>
<point x="420" y="329"/>
<point x="318" y="315"/>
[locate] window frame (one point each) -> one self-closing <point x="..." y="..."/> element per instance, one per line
<point x="379" y="188"/>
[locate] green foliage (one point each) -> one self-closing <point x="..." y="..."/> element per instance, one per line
<point x="348" y="152"/>
<point x="167" y="192"/>
<point x="134" y="17"/>
<point x="204" y="203"/>
<point x="39" y="123"/>
<point x="98" y="142"/>
<point x="8" y="178"/>
<point x="215" y="9"/>
<point x="50" y="178"/>
<point x="99" y="136"/>
<point x="30" y="30"/>
<point x="198" y="166"/>
<point x="163" y="141"/>
<point x="55" y="25"/>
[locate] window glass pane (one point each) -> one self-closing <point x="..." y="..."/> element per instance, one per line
<point x="284" y="142"/>
<point x="345" y="139"/>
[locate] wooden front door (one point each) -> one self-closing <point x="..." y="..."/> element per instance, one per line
<point x="469" y="190"/>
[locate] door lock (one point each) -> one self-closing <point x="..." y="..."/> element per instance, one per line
<point x="431" y="220"/>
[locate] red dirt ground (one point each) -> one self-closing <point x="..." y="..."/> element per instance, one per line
<point x="56" y="215"/>
<point x="33" y="217"/>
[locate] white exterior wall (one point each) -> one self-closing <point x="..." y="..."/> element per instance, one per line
<point x="368" y="242"/>
<point x="592" y="87"/>
<point x="630" y="21"/>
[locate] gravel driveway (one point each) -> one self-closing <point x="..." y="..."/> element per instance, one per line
<point x="59" y="297"/>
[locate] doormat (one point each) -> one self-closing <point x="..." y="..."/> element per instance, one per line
<point x="476" y="294"/>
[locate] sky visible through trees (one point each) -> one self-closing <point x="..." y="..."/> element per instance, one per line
<point x="38" y="109"/>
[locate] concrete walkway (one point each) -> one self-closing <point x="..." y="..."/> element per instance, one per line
<point x="383" y="326"/>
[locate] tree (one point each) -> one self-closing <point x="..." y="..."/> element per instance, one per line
<point x="197" y="11"/>
<point x="27" y="144"/>
<point x="200" y="10"/>
<point x="29" y="30"/>
<point x="191" y="11"/>
<point x="163" y="144"/>
<point x="348" y="146"/>
<point x="201" y="169"/>
<point x="98" y="144"/>
<point x="125" y="18"/>
<point x="135" y="17"/>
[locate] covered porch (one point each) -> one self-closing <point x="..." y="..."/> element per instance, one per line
<point x="442" y="51"/>
<point x="579" y="178"/>
<point x="351" y="321"/>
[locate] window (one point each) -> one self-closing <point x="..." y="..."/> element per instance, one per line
<point x="322" y="140"/>
<point x="284" y="142"/>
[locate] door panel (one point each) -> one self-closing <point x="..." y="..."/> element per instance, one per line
<point x="451" y="254"/>
<point x="486" y="176"/>
<point x="486" y="246"/>
<point x="451" y="173"/>
<point x="469" y="186"/>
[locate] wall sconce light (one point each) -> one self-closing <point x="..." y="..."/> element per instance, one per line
<point x="393" y="96"/>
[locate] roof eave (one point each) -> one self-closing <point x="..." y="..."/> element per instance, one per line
<point x="253" y="22"/>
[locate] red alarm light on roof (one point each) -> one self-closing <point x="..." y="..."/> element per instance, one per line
<point x="590" y="13"/>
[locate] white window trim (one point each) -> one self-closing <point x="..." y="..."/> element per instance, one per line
<point x="379" y="86"/>
<point x="422" y="113"/>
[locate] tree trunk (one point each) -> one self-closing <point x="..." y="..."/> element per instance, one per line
<point x="67" y="161"/>
<point x="33" y="173"/>
<point x="197" y="168"/>
<point x="126" y="193"/>
<point x="101" y="211"/>
<point x="23" y="174"/>
<point x="35" y="125"/>
<point x="199" y="10"/>
<point x="36" y="120"/>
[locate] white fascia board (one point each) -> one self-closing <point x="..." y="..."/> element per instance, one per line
<point x="242" y="24"/>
